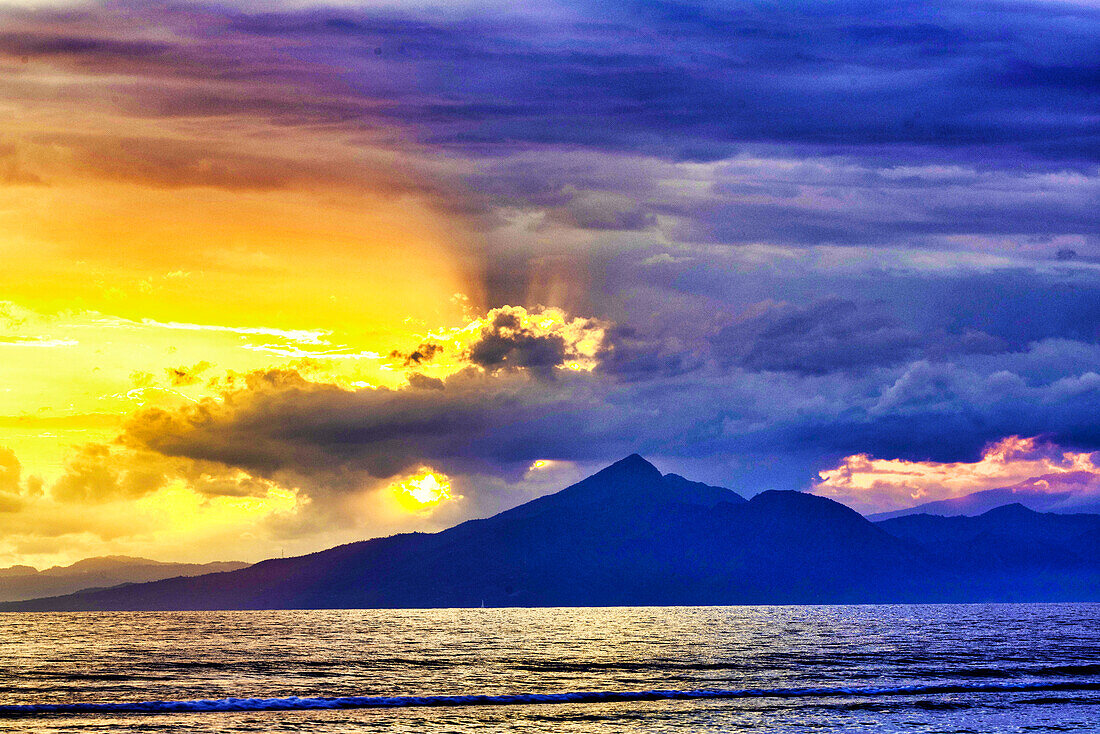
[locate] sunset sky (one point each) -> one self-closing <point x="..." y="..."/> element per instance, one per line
<point x="280" y="275"/>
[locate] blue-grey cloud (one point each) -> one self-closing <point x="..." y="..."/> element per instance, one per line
<point x="695" y="81"/>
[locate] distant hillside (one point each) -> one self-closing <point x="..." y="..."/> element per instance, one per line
<point x="630" y="536"/>
<point x="1012" y="552"/>
<point x="986" y="500"/>
<point x="25" y="582"/>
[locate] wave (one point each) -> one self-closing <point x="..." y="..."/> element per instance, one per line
<point x="295" y="703"/>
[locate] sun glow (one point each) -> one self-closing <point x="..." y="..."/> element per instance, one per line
<point x="422" y="491"/>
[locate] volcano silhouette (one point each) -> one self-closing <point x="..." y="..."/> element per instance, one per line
<point x="629" y="535"/>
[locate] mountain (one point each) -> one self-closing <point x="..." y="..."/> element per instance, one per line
<point x="25" y="582"/>
<point x="624" y="536"/>
<point x="719" y="494"/>
<point x="1012" y="552"/>
<point x="988" y="499"/>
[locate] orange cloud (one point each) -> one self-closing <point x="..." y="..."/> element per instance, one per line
<point x="872" y="485"/>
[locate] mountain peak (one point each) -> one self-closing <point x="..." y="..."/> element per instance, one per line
<point x="1013" y="509"/>
<point x="633" y="466"/>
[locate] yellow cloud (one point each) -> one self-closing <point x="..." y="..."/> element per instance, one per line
<point x="118" y="502"/>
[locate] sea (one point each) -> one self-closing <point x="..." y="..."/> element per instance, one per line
<point x="882" y="668"/>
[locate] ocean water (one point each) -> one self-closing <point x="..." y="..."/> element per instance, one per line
<point x="934" y="668"/>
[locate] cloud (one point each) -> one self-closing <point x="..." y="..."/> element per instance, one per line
<point x="539" y="340"/>
<point x="423" y="353"/>
<point x="1022" y="464"/>
<point x="506" y="342"/>
<point x="834" y="334"/>
<point x="98" y="474"/>
<point x="423" y="382"/>
<point x="95" y="474"/>
<point x="36" y="341"/>
<point x="639" y="356"/>
<point x="893" y="84"/>
<point x="778" y="426"/>
<point x="183" y="376"/>
<point x="828" y="335"/>
<point x="599" y="211"/>
<point x="317" y="429"/>
<point x="896" y="128"/>
<point x="114" y="501"/>
<point x="11" y="485"/>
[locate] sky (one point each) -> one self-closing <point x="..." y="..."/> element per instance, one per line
<point x="280" y="275"/>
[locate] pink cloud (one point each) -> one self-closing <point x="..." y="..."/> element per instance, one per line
<point x="1024" y="465"/>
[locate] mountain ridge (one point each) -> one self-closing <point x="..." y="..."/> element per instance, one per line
<point x="628" y="535"/>
<point x="976" y="503"/>
<point x="20" y="582"/>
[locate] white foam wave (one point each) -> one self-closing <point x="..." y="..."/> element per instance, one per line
<point x="351" y="702"/>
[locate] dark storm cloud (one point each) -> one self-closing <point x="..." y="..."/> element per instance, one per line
<point x="499" y="424"/>
<point x="423" y="382"/>
<point x="835" y="334"/>
<point x="425" y="352"/>
<point x="506" y="342"/>
<point x="98" y="50"/>
<point x="947" y="412"/>
<point x="683" y="81"/>
<point x="816" y="339"/>
<point x="953" y="298"/>
<point x="842" y="203"/>
<point x="693" y="81"/>
<point x="637" y="356"/>
<point x="476" y="422"/>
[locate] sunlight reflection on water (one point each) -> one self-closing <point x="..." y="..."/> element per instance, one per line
<point x="116" y="657"/>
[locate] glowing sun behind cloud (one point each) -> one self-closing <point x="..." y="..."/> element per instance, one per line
<point x="422" y="491"/>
